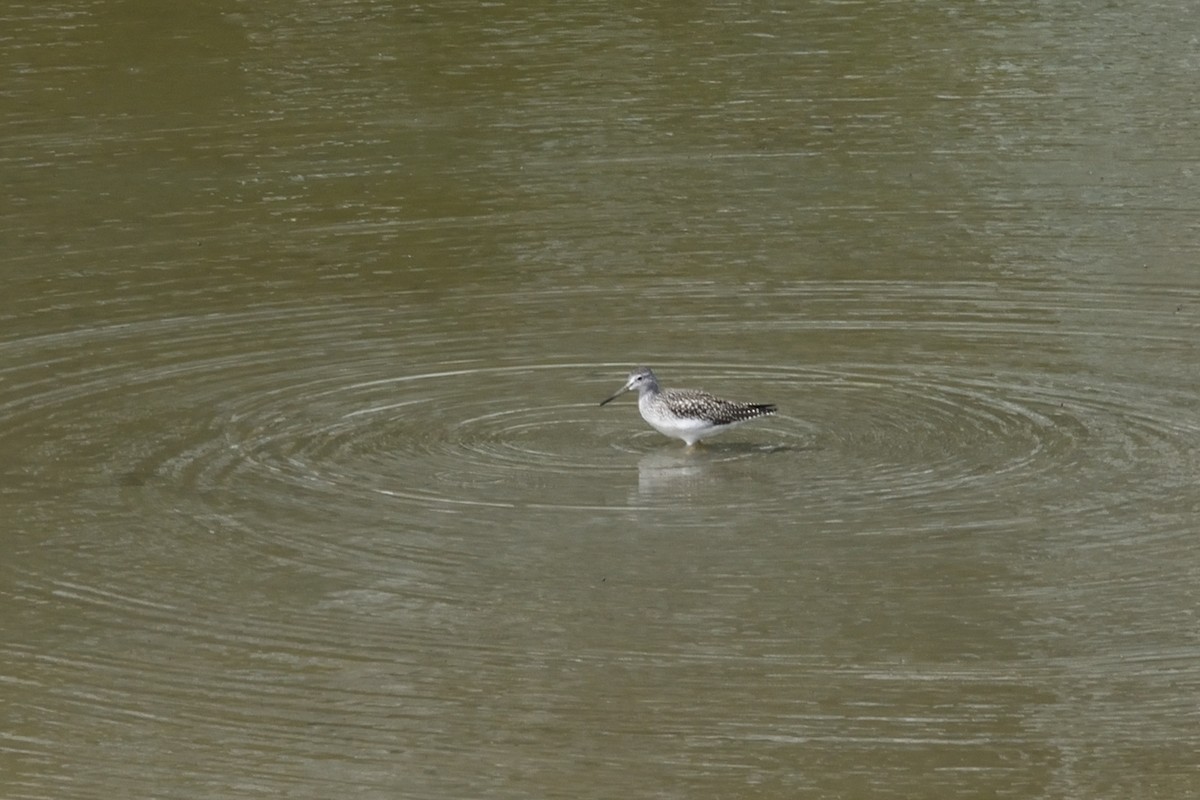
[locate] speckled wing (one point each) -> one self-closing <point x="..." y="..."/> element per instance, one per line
<point x="702" y="405"/>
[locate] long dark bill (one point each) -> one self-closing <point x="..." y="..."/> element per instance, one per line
<point x="624" y="389"/>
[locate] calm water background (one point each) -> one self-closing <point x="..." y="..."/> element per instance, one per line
<point x="308" y="307"/>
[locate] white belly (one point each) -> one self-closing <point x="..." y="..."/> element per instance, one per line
<point x="688" y="429"/>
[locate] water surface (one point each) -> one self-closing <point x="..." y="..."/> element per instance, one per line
<point x="309" y="309"/>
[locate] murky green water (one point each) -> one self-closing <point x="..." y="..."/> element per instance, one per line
<point x="308" y="310"/>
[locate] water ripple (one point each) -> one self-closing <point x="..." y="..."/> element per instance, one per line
<point x="320" y="414"/>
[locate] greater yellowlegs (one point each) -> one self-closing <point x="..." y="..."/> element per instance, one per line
<point x="686" y="413"/>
